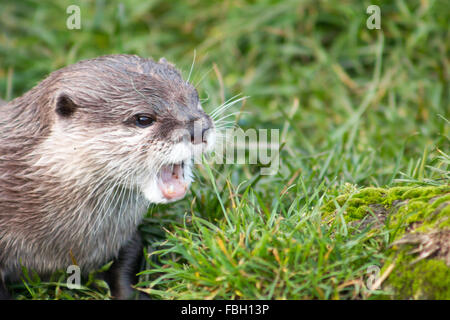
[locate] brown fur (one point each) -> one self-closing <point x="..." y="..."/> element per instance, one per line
<point x="72" y="161"/>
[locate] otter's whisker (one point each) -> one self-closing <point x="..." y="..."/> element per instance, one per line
<point x="225" y="107"/>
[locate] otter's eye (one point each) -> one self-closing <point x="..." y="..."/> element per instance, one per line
<point x="144" y="121"/>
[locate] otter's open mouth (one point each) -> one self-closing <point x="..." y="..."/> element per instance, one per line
<point x="171" y="181"/>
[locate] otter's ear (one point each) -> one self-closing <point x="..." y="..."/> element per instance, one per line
<point x="164" y="61"/>
<point x="65" y="107"/>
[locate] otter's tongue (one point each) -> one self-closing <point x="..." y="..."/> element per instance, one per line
<point x="171" y="182"/>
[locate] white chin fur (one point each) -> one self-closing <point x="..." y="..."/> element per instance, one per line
<point x="152" y="192"/>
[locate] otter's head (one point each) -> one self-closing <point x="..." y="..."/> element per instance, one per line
<point x="126" y="121"/>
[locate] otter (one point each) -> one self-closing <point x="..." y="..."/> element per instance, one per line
<point x="82" y="156"/>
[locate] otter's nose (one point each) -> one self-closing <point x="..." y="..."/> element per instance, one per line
<point x="198" y="131"/>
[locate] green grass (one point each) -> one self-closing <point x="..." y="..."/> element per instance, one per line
<point x="356" y="108"/>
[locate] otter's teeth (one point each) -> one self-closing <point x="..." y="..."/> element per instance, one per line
<point x="171" y="182"/>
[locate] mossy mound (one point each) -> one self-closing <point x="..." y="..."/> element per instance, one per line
<point x="418" y="221"/>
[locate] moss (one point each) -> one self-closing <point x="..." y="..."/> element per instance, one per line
<point x="357" y="204"/>
<point x="441" y="200"/>
<point x="426" y="279"/>
<point x="418" y="204"/>
<point x="371" y="194"/>
<point x="423" y="193"/>
<point x="409" y="209"/>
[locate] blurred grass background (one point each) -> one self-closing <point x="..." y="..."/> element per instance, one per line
<point x="356" y="106"/>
